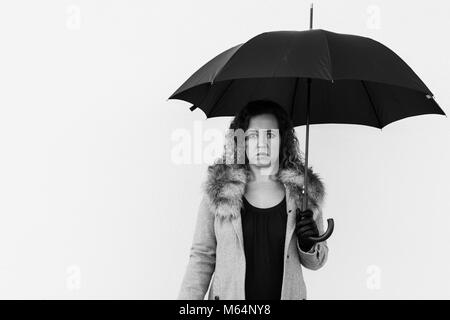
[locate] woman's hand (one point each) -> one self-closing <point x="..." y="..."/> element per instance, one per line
<point x="305" y="227"/>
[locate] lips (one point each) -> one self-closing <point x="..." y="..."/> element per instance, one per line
<point x="262" y="154"/>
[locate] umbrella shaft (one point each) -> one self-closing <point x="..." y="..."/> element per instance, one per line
<point x="308" y="102"/>
<point x="308" y="99"/>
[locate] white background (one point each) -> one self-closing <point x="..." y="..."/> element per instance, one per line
<point x="92" y="203"/>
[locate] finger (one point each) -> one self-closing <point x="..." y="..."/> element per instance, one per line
<point x="305" y="214"/>
<point x="310" y="233"/>
<point x="298" y="210"/>
<point x="304" y="229"/>
<point x="304" y="222"/>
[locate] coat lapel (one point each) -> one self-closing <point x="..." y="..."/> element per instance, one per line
<point x="290" y="224"/>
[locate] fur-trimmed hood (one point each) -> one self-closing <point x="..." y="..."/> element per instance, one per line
<point x="225" y="186"/>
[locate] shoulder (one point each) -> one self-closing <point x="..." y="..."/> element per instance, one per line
<point x="223" y="188"/>
<point x="295" y="180"/>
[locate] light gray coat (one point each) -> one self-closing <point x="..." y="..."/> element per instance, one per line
<point x="217" y="250"/>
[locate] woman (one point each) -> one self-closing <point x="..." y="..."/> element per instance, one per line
<point x="249" y="237"/>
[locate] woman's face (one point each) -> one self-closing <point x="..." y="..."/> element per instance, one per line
<point x="262" y="142"/>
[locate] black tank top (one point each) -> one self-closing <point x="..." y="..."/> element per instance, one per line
<point x="264" y="231"/>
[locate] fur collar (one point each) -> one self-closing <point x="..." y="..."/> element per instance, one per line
<point x="225" y="186"/>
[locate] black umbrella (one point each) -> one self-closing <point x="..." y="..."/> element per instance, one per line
<point x="318" y="76"/>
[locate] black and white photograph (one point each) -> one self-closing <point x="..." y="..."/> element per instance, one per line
<point x="224" y="150"/>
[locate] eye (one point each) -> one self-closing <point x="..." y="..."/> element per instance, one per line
<point x="251" y="135"/>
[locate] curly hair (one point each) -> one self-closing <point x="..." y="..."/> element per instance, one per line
<point x="290" y="156"/>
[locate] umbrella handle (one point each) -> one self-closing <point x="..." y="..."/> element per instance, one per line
<point x="330" y="222"/>
<point x="327" y="233"/>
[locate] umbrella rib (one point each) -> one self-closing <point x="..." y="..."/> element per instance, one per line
<point x="372" y="104"/>
<point x="329" y="55"/>
<point x="223" y="66"/>
<point x="220" y="98"/>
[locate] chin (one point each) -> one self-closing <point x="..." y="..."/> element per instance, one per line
<point x="262" y="163"/>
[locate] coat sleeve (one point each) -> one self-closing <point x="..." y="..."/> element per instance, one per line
<point x="316" y="257"/>
<point x="202" y="257"/>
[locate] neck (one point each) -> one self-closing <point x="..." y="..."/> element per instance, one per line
<point x="263" y="174"/>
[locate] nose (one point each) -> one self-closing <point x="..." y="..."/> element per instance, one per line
<point x="262" y="139"/>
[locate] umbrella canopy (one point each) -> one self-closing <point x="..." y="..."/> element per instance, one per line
<point x="354" y="79"/>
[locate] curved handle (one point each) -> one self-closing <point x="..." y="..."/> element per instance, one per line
<point x="327" y="233"/>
